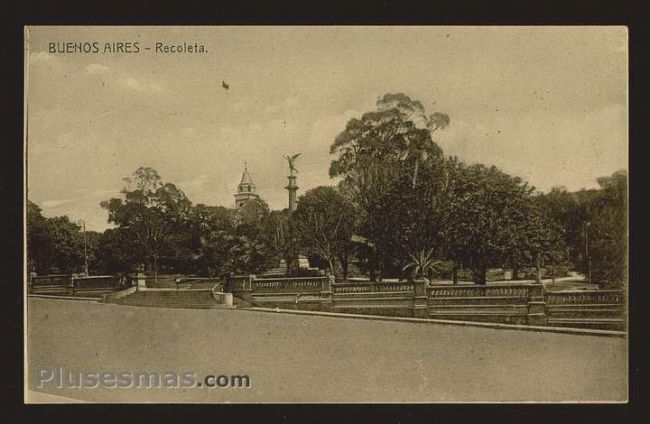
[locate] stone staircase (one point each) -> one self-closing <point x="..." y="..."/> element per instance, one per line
<point x="190" y="299"/>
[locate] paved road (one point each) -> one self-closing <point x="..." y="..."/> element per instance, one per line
<point x="292" y="358"/>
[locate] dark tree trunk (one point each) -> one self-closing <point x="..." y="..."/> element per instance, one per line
<point x="554" y="271"/>
<point x="372" y="267"/>
<point x="330" y="263"/>
<point x="289" y="261"/>
<point x="454" y="273"/>
<point x="344" y="263"/>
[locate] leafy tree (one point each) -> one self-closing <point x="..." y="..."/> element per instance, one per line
<point x="376" y="156"/>
<point x="254" y="243"/>
<point x="211" y="231"/>
<point x="608" y="231"/>
<point x="92" y="247"/>
<point x="152" y="213"/>
<point x="419" y="144"/>
<point x="595" y="227"/>
<point x="39" y="243"/>
<point x="325" y="221"/>
<point x="285" y="237"/>
<point x="490" y="219"/>
<point x="404" y="220"/>
<point x="541" y="240"/>
<point x="371" y="150"/>
<point x="115" y="252"/>
<point x="54" y="245"/>
<point x="571" y="212"/>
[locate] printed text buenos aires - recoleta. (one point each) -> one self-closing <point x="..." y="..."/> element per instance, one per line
<point x="135" y="47"/>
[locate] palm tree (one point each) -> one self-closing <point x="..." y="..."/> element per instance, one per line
<point x="422" y="264"/>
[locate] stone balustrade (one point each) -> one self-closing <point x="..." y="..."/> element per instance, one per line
<point x="493" y="290"/>
<point x="95" y="282"/>
<point x="602" y="309"/>
<point x="238" y="283"/>
<point x="289" y="285"/>
<point x="585" y="297"/>
<point x="372" y="287"/>
<point x="514" y="303"/>
<point x="70" y="285"/>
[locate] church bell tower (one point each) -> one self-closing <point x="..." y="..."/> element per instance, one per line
<point x="245" y="190"/>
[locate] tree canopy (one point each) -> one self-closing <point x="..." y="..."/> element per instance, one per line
<point x="325" y="221"/>
<point x="400" y="205"/>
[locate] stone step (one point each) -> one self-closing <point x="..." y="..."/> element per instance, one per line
<point x="200" y="299"/>
<point x="492" y="300"/>
<point x="372" y="295"/>
<point x="181" y="306"/>
<point x="479" y="307"/>
<point x="475" y="313"/>
<point x="586" y="315"/>
<point x="605" y="324"/>
<point x="584" y="305"/>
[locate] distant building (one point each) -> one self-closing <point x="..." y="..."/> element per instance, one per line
<point x="245" y="190"/>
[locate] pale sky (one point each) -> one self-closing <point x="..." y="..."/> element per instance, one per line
<point x="548" y="104"/>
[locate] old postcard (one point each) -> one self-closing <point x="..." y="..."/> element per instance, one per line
<point x="326" y="214"/>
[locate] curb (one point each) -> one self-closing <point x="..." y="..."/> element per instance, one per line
<point x="535" y="328"/>
<point x="55" y="297"/>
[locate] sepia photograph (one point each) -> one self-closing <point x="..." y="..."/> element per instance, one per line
<point x="326" y="214"/>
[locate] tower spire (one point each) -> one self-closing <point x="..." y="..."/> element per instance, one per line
<point x="246" y="188"/>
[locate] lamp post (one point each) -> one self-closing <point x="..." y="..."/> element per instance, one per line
<point x="587" y="258"/>
<point x="83" y="226"/>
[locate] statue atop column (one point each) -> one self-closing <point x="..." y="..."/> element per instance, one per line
<point x="292" y="187"/>
<point x="292" y="162"/>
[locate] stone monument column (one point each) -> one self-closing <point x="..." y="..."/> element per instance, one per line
<point x="292" y="187"/>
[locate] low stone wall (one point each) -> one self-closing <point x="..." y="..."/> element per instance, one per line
<point x="238" y="283"/>
<point x="95" y="285"/>
<point x="374" y="298"/>
<point x="68" y="285"/>
<point x="503" y="303"/>
<point x="309" y="293"/>
<point x="49" y="284"/>
<point x="603" y="309"/>
<point x="508" y="303"/>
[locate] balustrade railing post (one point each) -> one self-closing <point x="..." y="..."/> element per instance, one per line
<point x="536" y="305"/>
<point x="420" y="300"/>
<point x="247" y="288"/>
<point x="142" y="281"/>
<point x="326" y="293"/>
<point x="69" y="290"/>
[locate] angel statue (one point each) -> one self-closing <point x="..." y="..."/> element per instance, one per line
<point x="292" y="160"/>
